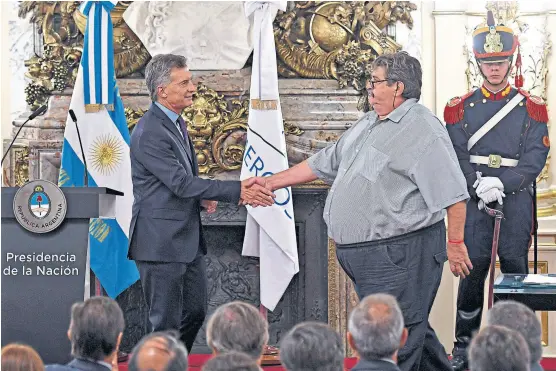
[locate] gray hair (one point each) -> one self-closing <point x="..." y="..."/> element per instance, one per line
<point x="237" y="326"/>
<point x="312" y="346"/>
<point x="157" y="72"/>
<point x="520" y="318"/>
<point x="403" y="68"/>
<point x="376" y="325"/>
<point x="233" y="361"/>
<point x="170" y="349"/>
<point x="95" y="326"/>
<point x="498" y="348"/>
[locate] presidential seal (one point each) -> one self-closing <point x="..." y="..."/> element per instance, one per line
<point x="40" y="206"/>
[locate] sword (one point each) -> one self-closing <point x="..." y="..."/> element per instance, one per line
<point x="498" y="215"/>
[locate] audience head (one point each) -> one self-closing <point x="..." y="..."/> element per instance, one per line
<point x="520" y="318"/>
<point x="159" y="351"/>
<point x="233" y="361"/>
<point x="498" y="348"/>
<point x="19" y="357"/>
<point x="96" y="328"/>
<point x="376" y="328"/>
<point x="312" y="346"/>
<point x="239" y="327"/>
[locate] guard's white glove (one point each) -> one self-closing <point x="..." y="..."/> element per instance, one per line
<point x="487" y="183"/>
<point x="492" y="195"/>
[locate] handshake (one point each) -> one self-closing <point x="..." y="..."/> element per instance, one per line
<point x="489" y="189"/>
<point x="256" y="191"/>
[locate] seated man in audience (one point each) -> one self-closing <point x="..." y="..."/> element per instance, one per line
<point x="95" y="333"/>
<point x="376" y="332"/>
<point x="312" y="346"/>
<point x="159" y="351"/>
<point x="497" y="348"/>
<point x="239" y="327"/>
<point x="233" y="361"/>
<point x="520" y="318"/>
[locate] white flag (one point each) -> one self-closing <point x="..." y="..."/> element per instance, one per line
<point x="269" y="231"/>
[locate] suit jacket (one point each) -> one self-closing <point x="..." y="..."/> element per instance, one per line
<point x="78" y="364"/>
<point x="375" y="365"/>
<point x="166" y="222"/>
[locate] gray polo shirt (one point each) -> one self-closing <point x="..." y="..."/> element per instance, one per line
<point x="389" y="177"/>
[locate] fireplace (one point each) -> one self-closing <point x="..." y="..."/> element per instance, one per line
<point x="234" y="277"/>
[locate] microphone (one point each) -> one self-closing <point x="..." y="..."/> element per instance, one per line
<point x="86" y="175"/>
<point x="37" y="112"/>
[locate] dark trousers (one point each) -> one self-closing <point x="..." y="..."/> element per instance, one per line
<point x="176" y="295"/>
<point x="515" y="238"/>
<point x="409" y="267"/>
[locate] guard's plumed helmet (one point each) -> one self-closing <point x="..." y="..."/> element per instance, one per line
<point x="494" y="43"/>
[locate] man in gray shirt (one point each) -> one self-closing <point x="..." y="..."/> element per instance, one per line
<point x="393" y="175"/>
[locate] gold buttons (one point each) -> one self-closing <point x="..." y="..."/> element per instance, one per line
<point x="520" y="104"/>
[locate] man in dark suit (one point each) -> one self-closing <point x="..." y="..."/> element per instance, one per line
<point x="95" y="334"/>
<point x="166" y="239"/>
<point x="376" y="333"/>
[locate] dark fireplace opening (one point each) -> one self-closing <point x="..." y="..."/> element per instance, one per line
<point x="232" y="276"/>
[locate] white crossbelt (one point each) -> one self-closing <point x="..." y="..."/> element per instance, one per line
<point x="486" y="160"/>
<point x="494" y="120"/>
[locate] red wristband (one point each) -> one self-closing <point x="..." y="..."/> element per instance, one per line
<point x="455" y="241"/>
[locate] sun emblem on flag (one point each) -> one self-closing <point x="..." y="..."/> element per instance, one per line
<point x="106" y="154"/>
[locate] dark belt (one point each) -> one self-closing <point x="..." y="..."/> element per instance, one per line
<point x="398" y="238"/>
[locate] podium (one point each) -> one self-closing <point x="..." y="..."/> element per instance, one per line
<point x="43" y="274"/>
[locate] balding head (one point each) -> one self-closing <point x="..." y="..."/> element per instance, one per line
<point x="376" y="327"/>
<point x="159" y="351"/>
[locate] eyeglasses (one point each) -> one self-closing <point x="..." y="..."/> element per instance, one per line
<point x="373" y="82"/>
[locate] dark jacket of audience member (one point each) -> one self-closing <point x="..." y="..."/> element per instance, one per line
<point x="498" y="348"/>
<point x="159" y="351"/>
<point x="20" y="357"/>
<point x="95" y="334"/>
<point x="238" y="327"/>
<point x="376" y="333"/>
<point x="233" y="361"/>
<point x="312" y="346"/>
<point x="520" y="318"/>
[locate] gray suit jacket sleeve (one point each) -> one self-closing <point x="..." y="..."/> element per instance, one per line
<point x="157" y="156"/>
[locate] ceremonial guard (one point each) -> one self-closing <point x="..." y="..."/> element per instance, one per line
<point x="500" y="136"/>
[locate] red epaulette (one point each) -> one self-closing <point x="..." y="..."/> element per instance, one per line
<point x="453" y="112"/>
<point x="536" y="107"/>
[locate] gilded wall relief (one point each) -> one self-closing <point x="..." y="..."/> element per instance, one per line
<point x="337" y="39"/>
<point x="60" y="27"/>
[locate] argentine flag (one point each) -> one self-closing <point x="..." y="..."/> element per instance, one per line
<point x="100" y="115"/>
